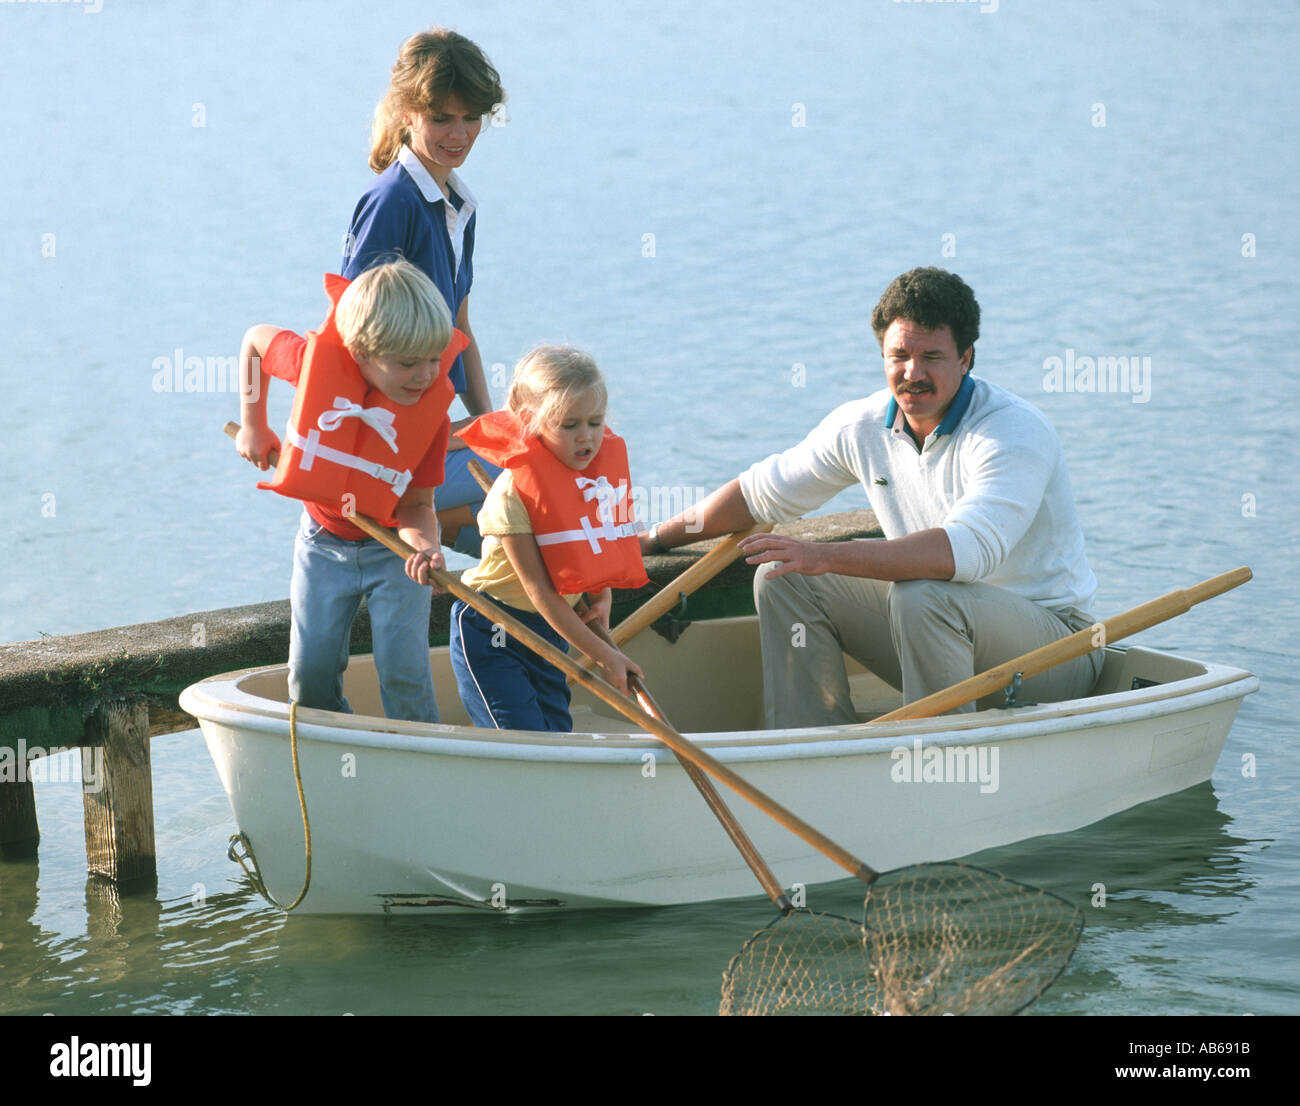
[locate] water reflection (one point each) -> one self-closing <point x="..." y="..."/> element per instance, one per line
<point x="1159" y="863"/>
<point x="1169" y="865"/>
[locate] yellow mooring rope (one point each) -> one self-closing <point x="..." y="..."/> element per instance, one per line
<point x="255" y="873"/>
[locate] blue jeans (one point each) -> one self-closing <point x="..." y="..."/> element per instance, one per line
<point x="330" y="577"/>
<point x="460" y="489"/>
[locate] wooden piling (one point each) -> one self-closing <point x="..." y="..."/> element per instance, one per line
<point x="19" y="833"/>
<point x="119" y="809"/>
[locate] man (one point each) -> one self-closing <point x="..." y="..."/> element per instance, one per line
<point x="983" y="555"/>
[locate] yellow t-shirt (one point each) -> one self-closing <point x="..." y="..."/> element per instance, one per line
<point x="503" y="512"/>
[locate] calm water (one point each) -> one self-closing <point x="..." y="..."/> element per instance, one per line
<point x="1113" y="179"/>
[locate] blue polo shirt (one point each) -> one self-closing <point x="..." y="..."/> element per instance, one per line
<point x="396" y="218"/>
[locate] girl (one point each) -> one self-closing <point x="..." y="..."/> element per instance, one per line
<point x="442" y="86"/>
<point x="557" y="522"/>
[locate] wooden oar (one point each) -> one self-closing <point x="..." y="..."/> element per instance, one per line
<point x="685" y="750"/>
<point x="690" y="581"/>
<point x="703" y="784"/>
<point x="1069" y="648"/>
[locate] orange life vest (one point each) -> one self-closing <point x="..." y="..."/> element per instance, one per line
<point x="582" y="519"/>
<point x="346" y="439"/>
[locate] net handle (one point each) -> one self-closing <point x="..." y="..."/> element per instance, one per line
<point x="703" y="784"/>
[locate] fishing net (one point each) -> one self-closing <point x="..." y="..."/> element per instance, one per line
<point x="802" y="963"/>
<point x="935" y="939"/>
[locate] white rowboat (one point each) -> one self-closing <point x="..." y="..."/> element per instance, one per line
<point x="409" y="817"/>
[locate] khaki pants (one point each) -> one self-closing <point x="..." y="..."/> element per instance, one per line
<point x="917" y="635"/>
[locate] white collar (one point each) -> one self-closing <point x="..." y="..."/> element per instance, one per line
<point x="428" y="186"/>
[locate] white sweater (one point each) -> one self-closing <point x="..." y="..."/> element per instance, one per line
<point x="998" y="487"/>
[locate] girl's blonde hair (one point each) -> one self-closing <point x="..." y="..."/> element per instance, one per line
<point x="548" y="381"/>
<point x="431" y="66"/>
<point x="393" y="310"/>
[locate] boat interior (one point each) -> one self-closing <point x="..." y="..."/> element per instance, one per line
<point x="709" y="681"/>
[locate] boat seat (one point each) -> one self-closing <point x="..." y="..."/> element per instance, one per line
<point x="871" y="696"/>
<point x="587" y="720"/>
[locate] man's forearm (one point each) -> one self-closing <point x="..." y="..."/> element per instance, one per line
<point x="925" y="555"/>
<point x="721" y="512"/>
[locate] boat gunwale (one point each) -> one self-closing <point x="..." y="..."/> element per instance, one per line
<point x="242" y="710"/>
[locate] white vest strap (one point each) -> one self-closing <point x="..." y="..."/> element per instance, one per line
<point x="606" y="496"/>
<point x="593" y="535"/>
<point x="311" y="448"/>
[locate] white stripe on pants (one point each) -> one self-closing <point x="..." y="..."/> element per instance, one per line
<point x="918" y="635"/>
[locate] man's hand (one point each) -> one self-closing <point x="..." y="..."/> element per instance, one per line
<point x="805" y="557"/>
<point x="925" y="555"/>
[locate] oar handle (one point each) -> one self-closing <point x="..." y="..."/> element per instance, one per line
<point x="232" y="431"/>
<point x="1216" y="585"/>
<point x="1069" y="648"/>
<point x="480" y="474"/>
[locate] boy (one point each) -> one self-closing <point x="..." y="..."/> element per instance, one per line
<point x="368" y="434"/>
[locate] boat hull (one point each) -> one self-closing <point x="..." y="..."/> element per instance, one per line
<point x="411" y="818"/>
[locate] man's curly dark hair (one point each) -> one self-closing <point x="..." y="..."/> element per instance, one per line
<point x="930" y="298"/>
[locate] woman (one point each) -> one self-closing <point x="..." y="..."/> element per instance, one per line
<point x="442" y="86"/>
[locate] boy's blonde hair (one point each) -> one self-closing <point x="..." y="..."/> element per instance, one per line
<point x="395" y="310"/>
<point x="548" y="381"/>
<point x="431" y="66"/>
